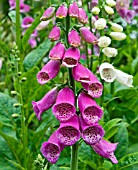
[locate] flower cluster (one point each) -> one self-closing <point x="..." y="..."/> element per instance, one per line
<point x="73" y="125"/>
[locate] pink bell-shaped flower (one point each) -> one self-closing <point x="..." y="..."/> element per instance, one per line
<point x="91" y="134"/>
<point x="90" y="111"/>
<point x="94" y="87"/>
<point x="83" y="18"/>
<point x="71" y="57"/>
<point x="87" y="35"/>
<point x="64" y="107"/>
<point x="48" y="72"/>
<point x="80" y="73"/>
<point x="74" y="38"/>
<point x="27" y="22"/>
<point x="48" y="14"/>
<point x="68" y="133"/>
<point x="52" y="148"/>
<point x="57" y="52"/>
<point x="73" y="10"/>
<point x="45" y="103"/>
<point x="62" y="11"/>
<point x="105" y="149"/>
<point x="54" y="34"/>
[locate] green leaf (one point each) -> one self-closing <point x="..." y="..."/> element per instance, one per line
<point x="111" y="124"/>
<point x="127" y="161"/>
<point x="4" y="47"/>
<point x="12" y="15"/>
<point x="33" y="58"/>
<point x="31" y="29"/>
<point x="122" y="137"/>
<point x="111" y="132"/>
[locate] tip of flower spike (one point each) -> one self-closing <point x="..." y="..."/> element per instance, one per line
<point x="36" y="110"/>
<point x="50" y="151"/>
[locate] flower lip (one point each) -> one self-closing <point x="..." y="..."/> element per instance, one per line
<point x="95" y="89"/>
<point x="43" y="77"/>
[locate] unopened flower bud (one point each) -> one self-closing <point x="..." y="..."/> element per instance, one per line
<point x="17" y="104"/>
<point x="49" y="13"/>
<point x="116" y="27"/>
<point x="104" y="41"/>
<point x="110" y="3"/>
<point x="109" y="10"/>
<point x="14" y="92"/>
<point x="118" y="36"/>
<point x="19" y="73"/>
<point x="100" y="24"/>
<point x="15" y="115"/>
<point x="23" y="79"/>
<point x="95" y="10"/>
<point x="109" y="51"/>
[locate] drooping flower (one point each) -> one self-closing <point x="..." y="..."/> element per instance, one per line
<point x="48" y="14"/>
<point x="91" y="134"/>
<point x="24" y="8"/>
<point x="126" y="14"/>
<point x="73" y="10"/>
<point x="54" y="34"/>
<point x="74" y="38"/>
<point x="100" y="24"/>
<point x="118" y="36"/>
<point x="83" y="18"/>
<point x="105" y="149"/>
<point x="109" y="51"/>
<point x="68" y="133"/>
<point x="90" y="111"/>
<point x="62" y="11"/>
<point x="110" y="3"/>
<point x="45" y="103"/>
<point x="116" y="27"/>
<point x="57" y="51"/>
<point x="124" y="78"/>
<point x="109" y="10"/>
<point x="42" y="25"/>
<point x="71" y="57"/>
<point x="107" y="72"/>
<point x="32" y="42"/>
<point x="64" y="107"/>
<point x="52" y="148"/>
<point x="104" y="41"/>
<point x="94" y="87"/>
<point x="80" y="73"/>
<point x="27" y="22"/>
<point x="87" y="35"/>
<point x="48" y="72"/>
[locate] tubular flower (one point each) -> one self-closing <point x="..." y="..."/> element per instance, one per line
<point x="83" y="18"/>
<point x="105" y="149"/>
<point x="104" y="41"/>
<point x="42" y="25"/>
<point x="32" y="42"/>
<point x="74" y="38"/>
<point x="71" y="57"/>
<point x="116" y="27"/>
<point x="110" y="3"/>
<point x="68" y="133"/>
<point x="90" y="111"/>
<point x="57" y="51"/>
<point x="45" y="103"/>
<point x="109" y="10"/>
<point x="100" y="24"/>
<point x="122" y="4"/>
<point x="118" y="36"/>
<point x="52" y="148"/>
<point x="135" y="6"/>
<point x="107" y="72"/>
<point x="87" y="35"/>
<point x="62" y="11"/>
<point x="27" y="22"/>
<point x="80" y="73"/>
<point x="95" y="10"/>
<point x="94" y="87"/>
<point x="109" y="51"/>
<point x="48" y="72"/>
<point x="126" y="14"/>
<point x="48" y="14"/>
<point x="91" y="134"/>
<point x="124" y="78"/>
<point x="73" y="10"/>
<point x="24" y="8"/>
<point x="64" y="107"/>
<point x="54" y="34"/>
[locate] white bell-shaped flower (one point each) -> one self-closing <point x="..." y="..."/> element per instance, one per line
<point x="95" y="10"/>
<point x="100" y="24"/>
<point x="107" y="72"/>
<point x="116" y="27"/>
<point x="104" y="41"/>
<point x="110" y="3"/>
<point x="110" y="52"/>
<point x="118" y="36"/>
<point x="124" y="78"/>
<point x="109" y="10"/>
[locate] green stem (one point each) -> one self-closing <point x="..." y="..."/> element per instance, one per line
<point x="112" y="87"/>
<point x="74" y="157"/>
<point x="18" y="32"/>
<point x="87" y="57"/>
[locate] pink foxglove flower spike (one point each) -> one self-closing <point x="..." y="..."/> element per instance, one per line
<point x="106" y="149"/>
<point x="48" y="72"/>
<point x="71" y="57"/>
<point x="45" y="103"/>
<point x="91" y="134"/>
<point x="54" y="34"/>
<point x="90" y="111"/>
<point x="64" y="107"/>
<point x="52" y="148"/>
<point x="68" y="133"/>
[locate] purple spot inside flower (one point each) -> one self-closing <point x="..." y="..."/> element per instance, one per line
<point x="43" y="76"/>
<point x="70" y="61"/>
<point x="96" y="89"/>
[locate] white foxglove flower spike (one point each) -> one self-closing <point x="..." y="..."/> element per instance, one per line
<point x="107" y="72"/>
<point x="110" y="52"/>
<point x="124" y="78"/>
